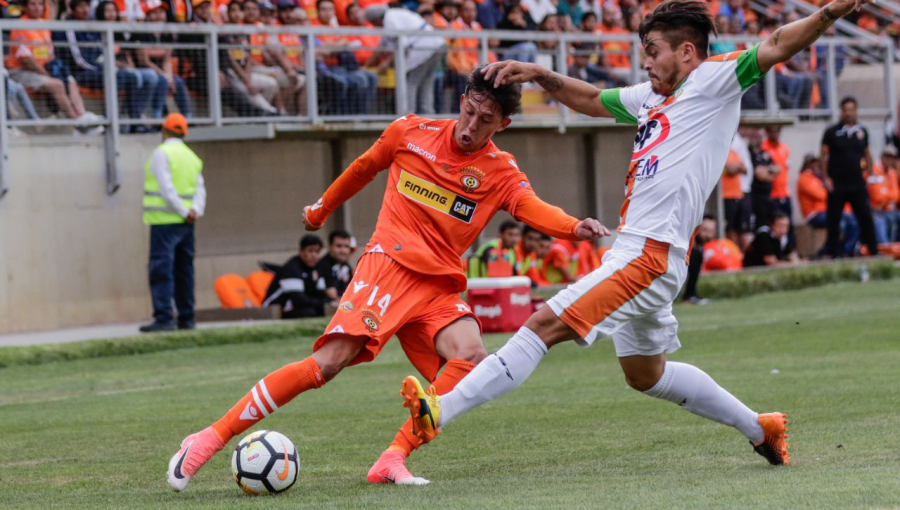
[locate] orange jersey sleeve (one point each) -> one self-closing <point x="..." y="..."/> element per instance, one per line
<point x="547" y="218"/>
<point x="360" y="173"/>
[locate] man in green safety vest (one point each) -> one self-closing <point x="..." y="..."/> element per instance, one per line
<point x="497" y="258"/>
<point x="174" y="198"/>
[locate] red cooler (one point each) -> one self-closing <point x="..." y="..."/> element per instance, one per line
<point x="502" y="304"/>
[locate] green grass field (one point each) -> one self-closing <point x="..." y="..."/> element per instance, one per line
<point x="98" y="433"/>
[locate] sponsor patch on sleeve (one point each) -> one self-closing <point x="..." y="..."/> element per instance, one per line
<point x="433" y="196"/>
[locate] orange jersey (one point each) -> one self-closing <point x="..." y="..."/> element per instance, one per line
<point x="812" y="194"/>
<point x="464" y="52"/>
<point x="438" y="198"/>
<point x="35" y="44"/>
<point x="883" y="187"/>
<point x="722" y="255"/>
<point x="293" y="48"/>
<point x="617" y="53"/>
<point x="780" y="154"/>
<point x="731" y="183"/>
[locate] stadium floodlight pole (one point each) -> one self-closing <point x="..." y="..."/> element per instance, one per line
<point x="111" y="97"/>
<point x="831" y="73"/>
<point x="4" y="136"/>
<point x="400" y="75"/>
<point x="214" y="88"/>
<point x="312" y="104"/>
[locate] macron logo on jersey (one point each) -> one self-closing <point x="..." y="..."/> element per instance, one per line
<point x="421" y="152"/>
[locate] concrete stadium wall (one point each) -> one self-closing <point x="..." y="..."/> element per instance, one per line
<point x="71" y="256"/>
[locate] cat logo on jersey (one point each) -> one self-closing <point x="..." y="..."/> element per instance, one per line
<point x="433" y="196"/>
<point x="471" y="178"/>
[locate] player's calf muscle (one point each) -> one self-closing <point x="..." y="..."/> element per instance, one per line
<point x="337" y="354"/>
<point x="461" y="340"/>
<point x="643" y="372"/>
<point x="546" y="325"/>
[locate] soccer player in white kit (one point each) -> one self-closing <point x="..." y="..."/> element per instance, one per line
<point x="687" y="115"/>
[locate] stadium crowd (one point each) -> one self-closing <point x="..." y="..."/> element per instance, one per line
<point x="264" y="75"/>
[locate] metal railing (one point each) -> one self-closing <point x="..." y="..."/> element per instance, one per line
<point x="215" y="96"/>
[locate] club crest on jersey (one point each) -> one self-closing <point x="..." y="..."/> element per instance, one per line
<point x="370" y="320"/>
<point x="471" y="178"/>
<point x="434" y="196"/>
<point x="650" y="134"/>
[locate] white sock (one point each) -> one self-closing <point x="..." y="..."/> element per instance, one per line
<point x="694" y="390"/>
<point x="496" y="375"/>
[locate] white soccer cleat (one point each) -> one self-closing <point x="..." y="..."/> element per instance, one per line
<point x="195" y="451"/>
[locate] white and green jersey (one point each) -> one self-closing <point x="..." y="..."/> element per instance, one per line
<point x="681" y="145"/>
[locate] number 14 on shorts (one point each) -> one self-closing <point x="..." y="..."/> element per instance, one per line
<point x="382" y="303"/>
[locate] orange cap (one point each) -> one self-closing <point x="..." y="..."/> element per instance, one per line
<point x="176" y="123"/>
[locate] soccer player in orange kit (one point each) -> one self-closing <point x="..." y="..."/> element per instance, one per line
<point x="446" y="181"/>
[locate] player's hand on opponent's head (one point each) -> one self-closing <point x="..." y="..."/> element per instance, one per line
<point x="306" y="224"/>
<point x="591" y="229"/>
<point x="511" y="71"/>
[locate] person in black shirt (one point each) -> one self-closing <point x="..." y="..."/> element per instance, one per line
<point x="844" y="147"/>
<point x="705" y="234"/>
<point x="335" y="266"/>
<point x="764" y="172"/>
<point x="768" y="246"/>
<point x="298" y="287"/>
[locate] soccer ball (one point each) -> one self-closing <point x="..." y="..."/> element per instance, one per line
<point x="265" y="462"/>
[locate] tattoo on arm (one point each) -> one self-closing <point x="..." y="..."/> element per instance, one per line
<point x="550" y="82"/>
<point x="776" y="36"/>
<point x="826" y="16"/>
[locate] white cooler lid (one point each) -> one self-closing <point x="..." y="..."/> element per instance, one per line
<point x="500" y="283"/>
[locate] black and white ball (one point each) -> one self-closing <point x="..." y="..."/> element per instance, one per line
<point x="265" y="462"/>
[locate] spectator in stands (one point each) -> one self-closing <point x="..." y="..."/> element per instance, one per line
<point x="764" y="172"/>
<point x="616" y="54"/>
<point x="174" y="199"/>
<point x="780" y="195"/>
<point x="741" y="148"/>
<point x="737" y="209"/>
<point x="267" y="13"/>
<point x="813" y="198"/>
<point x="583" y="69"/>
<point x="560" y="264"/>
<point x="85" y="62"/>
<point x="130" y="10"/>
<point x="298" y="287"/>
<point x="192" y="61"/>
<point x="260" y="61"/>
<point x="845" y="146"/>
<point x="633" y="20"/>
<point x="246" y="92"/>
<point x="535" y="268"/>
<point x="355" y="88"/>
<point x="588" y="22"/>
<point x="516" y="19"/>
<point x="768" y="246"/>
<point x="526" y="249"/>
<point x="448" y="11"/>
<point x="538" y="10"/>
<point x="490" y="12"/>
<point x="705" y="232"/>
<point x="573" y="9"/>
<point x="335" y="265"/>
<point x="365" y="45"/>
<point x="733" y="9"/>
<point x="884" y="193"/>
<point x="288" y="59"/>
<point x="18" y="103"/>
<point x="179" y="11"/>
<point x="423" y="54"/>
<point x="463" y="54"/>
<point x="550" y="23"/>
<point x="159" y="59"/>
<point x="723" y="26"/>
<point x="497" y="257"/>
<point x="31" y="61"/>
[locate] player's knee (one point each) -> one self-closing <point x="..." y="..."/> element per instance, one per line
<point x="334" y="356"/>
<point x="546" y="325"/>
<point x="472" y="353"/>
<point x="642" y="380"/>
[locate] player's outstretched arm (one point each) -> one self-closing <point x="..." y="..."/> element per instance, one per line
<point x="790" y="39"/>
<point x="554" y="222"/>
<point x="576" y="94"/>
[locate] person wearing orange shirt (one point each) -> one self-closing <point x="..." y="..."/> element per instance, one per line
<point x="446" y="180"/>
<point x="884" y="193"/>
<point x="364" y="45"/>
<point x="705" y="232"/>
<point x="287" y="59"/>
<point x="463" y="54"/>
<point x="616" y="54"/>
<point x="30" y="53"/>
<point x="781" y="197"/>
<point x="737" y="206"/>
<point x="813" y="197"/>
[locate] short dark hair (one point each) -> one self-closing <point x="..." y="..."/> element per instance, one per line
<point x="680" y="21"/>
<point x="507" y="96"/>
<point x="338" y="233"/>
<point x="508" y="224"/>
<point x="350" y="6"/>
<point x="709" y="217"/>
<point x="849" y="99"/>
<point x="310" y="240"/>
<point x="101" y="7"/>
<point x="320" y="2"/>
<point x="529" y="229"/>
<point x="74" y="3"/>
<point x="589" y="14"/>
<point x="777" y="216"/>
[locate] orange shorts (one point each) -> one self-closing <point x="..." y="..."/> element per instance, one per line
<point x="386" y="299"/>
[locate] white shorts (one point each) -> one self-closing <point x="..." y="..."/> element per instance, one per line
<point x="629" y="298"/>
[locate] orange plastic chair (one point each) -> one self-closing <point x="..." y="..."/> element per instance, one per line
<point x="259" y="282"/>
<point x="234" y="292"/>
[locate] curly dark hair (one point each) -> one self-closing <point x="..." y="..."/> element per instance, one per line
<point x="508" y="97"/>
<point x="680" y="21"/>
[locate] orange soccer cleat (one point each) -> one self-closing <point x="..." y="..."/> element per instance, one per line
<point x="424" y="408"/>
<point x="774" y="446"/>
<point x="195" y="451"/>
<point x="391" y="468"/>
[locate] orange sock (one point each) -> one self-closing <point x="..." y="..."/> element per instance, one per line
<point x="405" y="441"/>
<point x="270" y="393"/>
